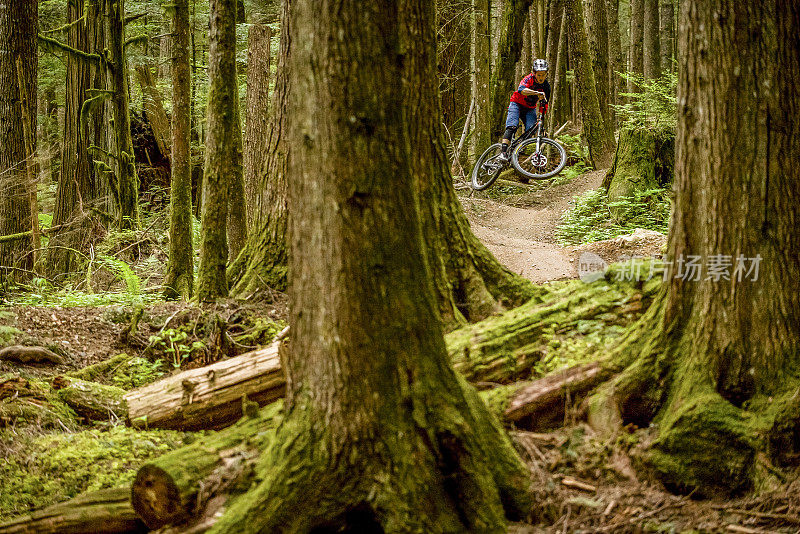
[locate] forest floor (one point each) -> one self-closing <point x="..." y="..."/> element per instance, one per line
<point x="583" y="483"/>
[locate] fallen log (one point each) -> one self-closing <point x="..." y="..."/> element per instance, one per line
<point x="208" y="397"/>
<point x="30" y="355"/>
<point x="541" y="403"/>
<point x="498" y="350"/>
<point x="92" y="401"/>
<point x="106" y="511"/>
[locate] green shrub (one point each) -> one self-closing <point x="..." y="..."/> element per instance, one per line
<point x="590" y="219"/>
<point x="655" y="107"/>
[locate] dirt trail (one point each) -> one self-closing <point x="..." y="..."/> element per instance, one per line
<point x="523" y="239"/>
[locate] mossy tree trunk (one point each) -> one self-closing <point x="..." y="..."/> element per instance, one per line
<point x="220" y="150"/>
<point x="126" y="183"/>
<point x="453" y="32"/>
<point x="237" y="204"/>
<point x="598" y="136"/>
<point x="645" y="159"/>
<point x="406" y="445"/>
<point x="714" y="364"/>
<point x="179" y="279"/>
<point x="666" y="16"/>
<point x="18" y="28"/>
<point x="469" y="282"/>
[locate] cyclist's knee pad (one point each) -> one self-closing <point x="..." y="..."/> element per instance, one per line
<point x="509" y="133"/>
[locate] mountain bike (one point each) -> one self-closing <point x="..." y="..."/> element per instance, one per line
<point x="533" y="155"/>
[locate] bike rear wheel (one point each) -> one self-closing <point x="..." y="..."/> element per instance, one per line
<point x="487" y="168"/>
<point x="539" y="162"/>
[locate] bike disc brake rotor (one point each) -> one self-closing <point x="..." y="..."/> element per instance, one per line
<point x="538" y="159"/>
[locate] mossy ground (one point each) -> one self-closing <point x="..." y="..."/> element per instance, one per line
<point x="39" y="470"/>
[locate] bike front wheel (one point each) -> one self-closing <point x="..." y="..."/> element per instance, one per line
<point x="539" y="158"/>
<point x="487" y="168"/>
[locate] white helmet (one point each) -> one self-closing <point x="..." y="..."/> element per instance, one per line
<point x="540" y="64"/>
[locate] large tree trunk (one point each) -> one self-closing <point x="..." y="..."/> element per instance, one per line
<point x="237" y="204"/>
<point x="712" y="366"/>
<point x="645" y="159"/>
<point x="78" y="189"/>
<point x="179" y="278"/>
<point x="18" y="28"/>
<point x="257" y="116"/>
<point x="651" y="49"/>
<point x="599" y="138"/>
<point x="398" y="421"/>
<point x="469" y="282"/>
<point x="220" y="147"/>
<point x="154" y="109"/>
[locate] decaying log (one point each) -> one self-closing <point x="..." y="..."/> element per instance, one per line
<point x="208" y="397"/>
<point x="93" y="401"/>
<point x="30" y="355"/>
<point x="541" y="403"/>
<point x="106" y="511"/>
<point x="177" y="487"/>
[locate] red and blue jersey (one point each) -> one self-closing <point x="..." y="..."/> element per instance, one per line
<point x="529" y="82"/>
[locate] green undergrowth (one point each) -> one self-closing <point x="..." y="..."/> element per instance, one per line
<point x="32" y="402"/>
<point x="40" y="292"/>
<point x="590" y="216"/>
<point x="37" y="471"/>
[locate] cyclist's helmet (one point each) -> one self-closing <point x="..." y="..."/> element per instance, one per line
<point x="540" y="64"/>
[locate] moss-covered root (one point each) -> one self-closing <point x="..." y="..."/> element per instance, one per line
<point x="442" y="470"/>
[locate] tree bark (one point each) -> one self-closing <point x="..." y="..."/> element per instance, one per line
<point x="710" y="365"/>
<point x="220" y="150"/>
<point x="453" y="33"/>
<point x="179" y="278"/>
<point x="257" y="117"/>
<point x="599" y="138"/>
<point x="208" y="397"/>
<point x="374" y="369"/>
<point x="237" y="204"/>
<point x="18" y="29"/>
<point x="651" y="48"/>
<point x="636" y="43"/>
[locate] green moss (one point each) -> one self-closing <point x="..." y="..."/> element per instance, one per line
<point x="35" y="404"/>
<point x="8" y="334"/>
<point x="497" y="399"/>
<point x="47" y="469"/>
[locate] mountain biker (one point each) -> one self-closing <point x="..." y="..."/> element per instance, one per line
<point x="523" y="102"/>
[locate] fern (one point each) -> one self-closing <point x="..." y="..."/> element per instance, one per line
<point x="123" y="272"/>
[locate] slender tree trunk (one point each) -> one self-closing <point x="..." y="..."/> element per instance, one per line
<point x="615" y="65"/>
<point x="635" y="51"/>
<point x="713" y="367"/>
<point x="510" y="33"/>
<point x="561" y="89"/>
<point x="257" y="116"/>
<point x="237" y="205"/>
<point x="598" y="48"/>
<point x="164" y="51"/>
<point x="599" y="138"/>
<point x="651" y="49"/>
<point x="482" y="45"/>
<point x="221" y="130"/>
<point x="394" y="411"/>
<point x="555" y="18"/>
<point x="18" y="29"/>
<point x="528" y="45"/>
<point x="667" y="35"/>
<point x="179" y="278"/>
<point x="453" y="61"/>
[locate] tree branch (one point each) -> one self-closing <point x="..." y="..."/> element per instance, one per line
<point x="55" y="43"/>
